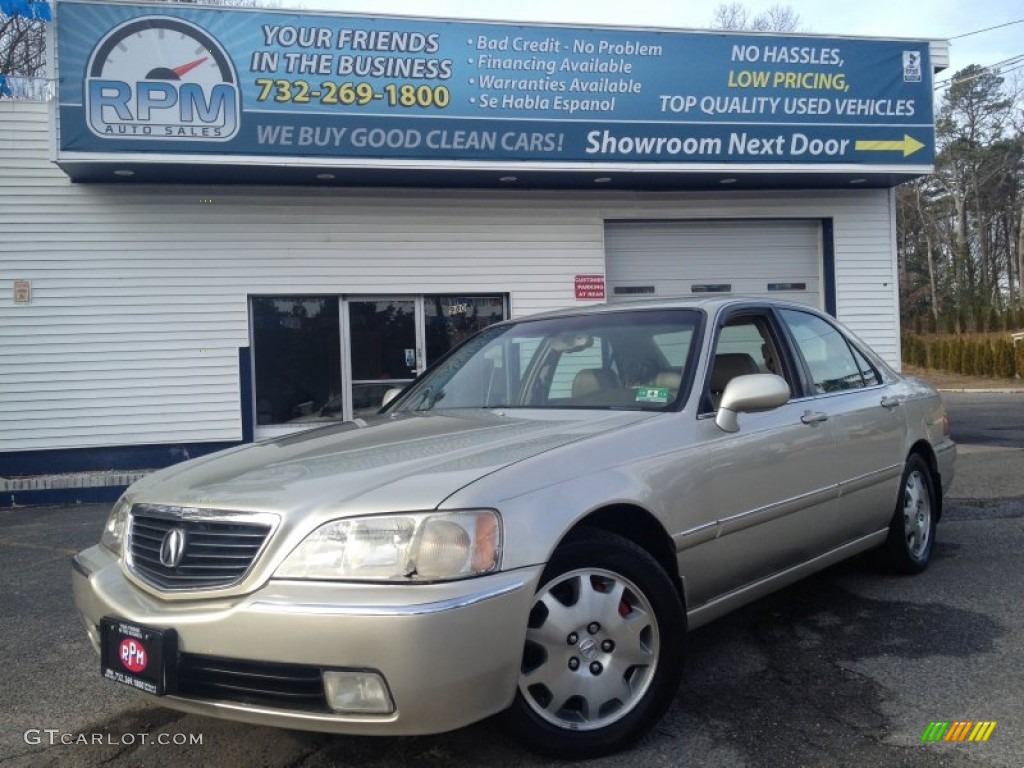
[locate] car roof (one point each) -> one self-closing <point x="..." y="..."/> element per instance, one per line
<point x="709" y="304"/>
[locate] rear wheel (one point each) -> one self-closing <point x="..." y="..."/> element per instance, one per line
<point x="603" y="652"/>
<point x="911" y="540"/>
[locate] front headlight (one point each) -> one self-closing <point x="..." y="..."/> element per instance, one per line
<point x="431" y="546"/>
<point x="113" y="531"/>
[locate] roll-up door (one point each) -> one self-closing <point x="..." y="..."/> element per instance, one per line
<point x="778" y="258"/>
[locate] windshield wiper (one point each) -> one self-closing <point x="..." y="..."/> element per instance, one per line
<point x="428" y="399"/>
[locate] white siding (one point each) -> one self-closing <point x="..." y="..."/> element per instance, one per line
<point x="139" y="300"/>
<point x="139" y="293"/>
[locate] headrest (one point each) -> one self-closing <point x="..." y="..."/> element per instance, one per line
<point x="728" y="366"/>
<point x="591" y="380"/>
<point x="668" y="380"/>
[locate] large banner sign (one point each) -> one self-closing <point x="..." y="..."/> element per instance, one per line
<point x="201" y="81"/>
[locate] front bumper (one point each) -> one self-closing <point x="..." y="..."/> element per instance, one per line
<point x="449" y="653"/>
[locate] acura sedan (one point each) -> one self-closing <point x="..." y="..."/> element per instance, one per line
<point x="530" y="528"/>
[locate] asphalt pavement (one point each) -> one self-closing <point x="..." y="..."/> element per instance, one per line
<point x="846" y="668"/>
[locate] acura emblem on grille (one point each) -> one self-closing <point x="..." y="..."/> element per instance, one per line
<point x="172" y="549"/>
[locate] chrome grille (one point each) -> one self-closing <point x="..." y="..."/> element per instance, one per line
<point x="220" y="547"/>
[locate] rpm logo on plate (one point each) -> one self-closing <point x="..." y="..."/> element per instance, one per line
<point x="163" y="78"/>
<point x="133" y="655"/>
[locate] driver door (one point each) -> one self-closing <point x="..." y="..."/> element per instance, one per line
<point x="772" y="484"/>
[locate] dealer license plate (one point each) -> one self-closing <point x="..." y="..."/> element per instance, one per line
<point x="142" y="657"/>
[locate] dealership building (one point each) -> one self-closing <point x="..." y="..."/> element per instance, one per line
<point x="226" y="225"/>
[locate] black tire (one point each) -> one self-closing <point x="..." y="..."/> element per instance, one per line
<point x="908" y="549"/>
<point x="604" y="650"/>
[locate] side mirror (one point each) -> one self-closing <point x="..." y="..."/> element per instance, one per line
<point x="750" y="394"/>
<point x="390" y="395"/>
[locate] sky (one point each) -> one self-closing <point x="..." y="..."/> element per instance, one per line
<point x="933" y="19"/>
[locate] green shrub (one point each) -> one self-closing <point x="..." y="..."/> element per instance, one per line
<point x="985" y="365"/>
<point x="974" y="355"/>
<point x="1005" y="367"/>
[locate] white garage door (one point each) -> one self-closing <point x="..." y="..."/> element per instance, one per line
<point x="654" y="259"/>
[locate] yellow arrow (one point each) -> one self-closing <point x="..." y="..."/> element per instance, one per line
<point x="908" y="144"/>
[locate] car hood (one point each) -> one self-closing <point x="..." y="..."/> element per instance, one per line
<point x="389" y="463"/>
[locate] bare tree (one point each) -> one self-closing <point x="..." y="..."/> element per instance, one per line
<point x="778" y="18"/>
<point x="960" y="239"/>
<point x="23" y="39"/>
<point x="22" y="46"/>
<point x="730" y="16"/>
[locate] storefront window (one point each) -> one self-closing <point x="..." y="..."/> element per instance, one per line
<point x="297" y="356"/>
<point x="452" y="319"/>
<point x="299" y="350"/>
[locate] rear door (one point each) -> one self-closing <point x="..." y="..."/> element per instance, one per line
<point x="868" y="421"/>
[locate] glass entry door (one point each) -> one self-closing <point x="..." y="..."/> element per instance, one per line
<point x="392" y="339"/>
<point x="385" y="350"/>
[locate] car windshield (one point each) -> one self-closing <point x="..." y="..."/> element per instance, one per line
<point x="631" y="359"/>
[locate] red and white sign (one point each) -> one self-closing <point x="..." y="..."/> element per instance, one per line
<point x="589" y="286"/>
<point x="133" y="655"/>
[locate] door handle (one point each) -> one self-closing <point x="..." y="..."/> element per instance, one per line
<point x="813" y="417"/>
<point x="889" y="402"/>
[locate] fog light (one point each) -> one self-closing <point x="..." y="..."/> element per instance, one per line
<point x="357" y="691"/>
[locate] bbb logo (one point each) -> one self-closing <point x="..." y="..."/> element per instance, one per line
<point x="158" y="77"/>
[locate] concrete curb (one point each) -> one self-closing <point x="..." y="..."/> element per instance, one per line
<point x="983" y="390"/>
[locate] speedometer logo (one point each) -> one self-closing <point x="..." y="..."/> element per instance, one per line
<point x="158" y="77"/>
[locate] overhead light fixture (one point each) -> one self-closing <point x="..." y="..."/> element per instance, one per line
<point x="508" y="179"/>
<point x="857" y="181"/>
<point x="602" y="179"/>
<point x="325" y="176"/>
<point x="124" y="172"/>
<point x="727" y="181"/>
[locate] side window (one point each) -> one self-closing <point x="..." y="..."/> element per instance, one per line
<point x="504" y="368"/>
<point x="871" y="376"/>
<point x="517" y="359"/>
<point x="674" y="346"/>
<point x="745" y="345"/>
<point x="744" y="337"/>
<point x="570" y="363"/>
<point x="829" y="357"/>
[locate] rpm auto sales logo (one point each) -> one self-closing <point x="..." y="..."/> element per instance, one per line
<point x="163" y="78"/>
<point x="133" y="655"/>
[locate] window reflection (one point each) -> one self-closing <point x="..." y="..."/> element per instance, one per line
<point x="297" y="349"/>
<point x="383" y="335"/>
<point x="450" y="320"/>
<point x="297" y="355"/>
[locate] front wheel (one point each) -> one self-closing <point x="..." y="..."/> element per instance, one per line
<point x="603" y="652"/>
<point x="912" y="530"/>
